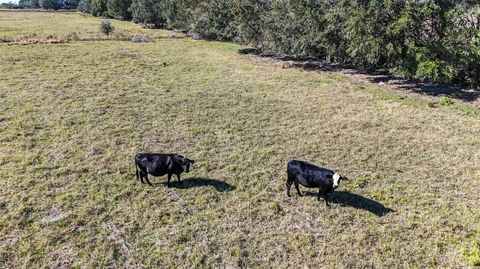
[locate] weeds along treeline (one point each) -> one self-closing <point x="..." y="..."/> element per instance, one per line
<point x="432" y="40"/>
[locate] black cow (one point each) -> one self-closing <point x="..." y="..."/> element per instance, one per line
<point x="312" y="176"/>
<point x="159" y="164"/>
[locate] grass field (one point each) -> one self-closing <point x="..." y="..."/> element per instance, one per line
<point x="15" y="24"/>
<point x="73" y="115"/>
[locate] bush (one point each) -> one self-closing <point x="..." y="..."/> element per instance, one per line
<point x="24" y="4"/>
<point x="179" y="14"/>
<point x="71" y="4"/>
<point x="84" y="6"/>
<point x="140" y="38"/>
<point x="73" y="36"/>
<point x="472" y="253"/>
<point x="106" y="27"/>
<point x="434" y="70"/>
<point x="99" y="8"/>
<point x="445" y="101"/>
<point x="148" y="12"/>
<point x="436" y="41"/>
<point x="119" y="9"/>
<point x="34" y="4"/>
<point x="215" y="20"/>
<point x="250" y="16"/>
<point x="50" y="4"/>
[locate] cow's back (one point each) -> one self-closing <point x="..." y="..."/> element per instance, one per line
<point x="309" y="175"/>
<point x="157" y="164"/>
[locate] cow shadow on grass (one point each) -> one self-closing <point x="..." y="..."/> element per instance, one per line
<point x="345" y="198"/>
<point x="201" y="182"/>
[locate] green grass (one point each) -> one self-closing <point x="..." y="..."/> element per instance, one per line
<point x="14" y="24"/>
<point x="73" y="115"/>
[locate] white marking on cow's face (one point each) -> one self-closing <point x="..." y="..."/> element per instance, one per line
<point x="336" y="180"/>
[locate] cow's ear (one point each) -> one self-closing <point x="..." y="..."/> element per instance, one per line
<point x="345" y="178"/>
<point x="191" y="161"/>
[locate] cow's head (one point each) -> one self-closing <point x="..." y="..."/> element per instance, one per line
<point x="184" y="162"/>
<point x="336" y="180"/>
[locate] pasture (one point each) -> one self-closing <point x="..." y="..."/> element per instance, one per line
<point x="73" y="115"/>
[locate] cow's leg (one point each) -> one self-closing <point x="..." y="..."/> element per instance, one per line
<point x="148" y="181"/>
<point x="326" y="199"/>
<point x="178" y="177"/>
<point x="325" y="196"/>
<point x="136" y="171"/>
<point x="290" y="180"/>
<point x="297" y="187"/>
<point x="142" y="175"/>
<point x="168" y="180"/>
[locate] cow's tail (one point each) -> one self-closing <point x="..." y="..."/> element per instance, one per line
<point x="137" y="173"/>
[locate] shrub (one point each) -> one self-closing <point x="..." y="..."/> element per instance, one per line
<point x="24" y="4"/>
<point x="73" y="36"/>
<point x="250" y="16"/>
<point x="360" y="182"/>
<point x="50" y="4"/>
<point x="99" y="8"/>
<point x="71" y="4"/>
<point x="148" y="12"/>
<point x="434" y="70"/>
<point x="472" y="253"/>
<point x="215" y="20"/>
<point x="119" y="9"/>
<point x="179" y="14"/>
<point x="436" y="41"/>
<point x="140" y="38"/>
<point x="445" y="101"/>
<point x="84" y="6"/>
<point x="106" y="27"/>
<point x="34" y="4"/>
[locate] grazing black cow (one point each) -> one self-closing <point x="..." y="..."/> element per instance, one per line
<point x="159" y="164"/>
<point x="312" y="176"/>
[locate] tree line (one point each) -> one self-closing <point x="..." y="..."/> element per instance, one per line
<point x="431" y="40"/>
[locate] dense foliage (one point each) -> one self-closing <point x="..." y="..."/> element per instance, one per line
<point x="119" y="9"/>
<point x="148" y="12"/>
<point x="84" y="6"/>
<point x="106" y="27"/>
<point x="99" y="8"/>
<point x="50" y="4"/>
<point x="431" y="40"/>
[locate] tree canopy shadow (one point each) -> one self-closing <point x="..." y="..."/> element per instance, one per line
<point x="379" y="76"/>
<point x="345" y="198"/>
<point x="201" y="182"/>
<point x="425" y="88"/>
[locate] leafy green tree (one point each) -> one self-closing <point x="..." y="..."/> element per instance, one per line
<point x="179" y="14"/>
<point x="250" y="16"/>
<point x="431" y="40"/>
<point x="296" y="27"/>
<point x="215" y="20"/>
<point x="34" y="4"/>
<point x="98" y="8"/>
<point x="50" y="4"/>
<point x="119" y="9"/>
<point x="84" y="6"/>
<point x="148" y="12"/>
<point x="71" y="4"/>
<point x="24" y="4"/>
<point x="106" y="27"/>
